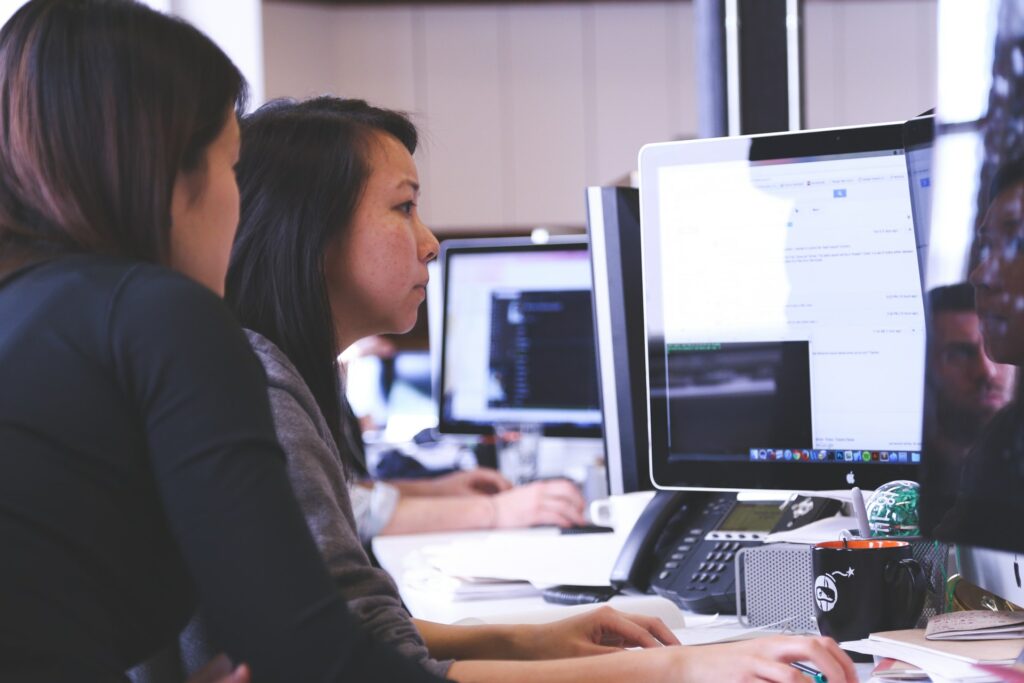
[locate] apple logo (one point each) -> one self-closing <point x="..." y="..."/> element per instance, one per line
<point x="850" y="479"/>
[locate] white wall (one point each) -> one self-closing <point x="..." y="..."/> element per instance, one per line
<point x="235" y="25"/>
<point x="521" y="106"/>
<point x="9" y="7"/>
<point x="868" y="60"/>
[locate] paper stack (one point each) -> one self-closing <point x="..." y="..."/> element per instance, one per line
<point x="433" y="582"/>
<point x="543" y="559"/>
<point x="976" y="625"/>
<point x="943" y="660"/>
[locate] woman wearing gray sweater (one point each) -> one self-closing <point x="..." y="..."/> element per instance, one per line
<point x="330" y="249"/>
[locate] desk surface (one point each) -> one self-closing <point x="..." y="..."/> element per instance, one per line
<point x="397" y="554"/>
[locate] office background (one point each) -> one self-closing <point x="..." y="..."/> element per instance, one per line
<point x="523" y="104"/>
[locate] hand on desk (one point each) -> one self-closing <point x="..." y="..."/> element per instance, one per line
<point x="219" y="670"/>
<point x="767" y="659"/>
<point x="555" y="501"/>
<point x="462" y="483"/>
<point x="597" y="632"/>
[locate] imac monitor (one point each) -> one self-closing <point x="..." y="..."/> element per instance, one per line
<point x="613" y="224"/>
<point x="518" y="337"/>
<point x="972" y="489"/>
<point x="785" y="323"/>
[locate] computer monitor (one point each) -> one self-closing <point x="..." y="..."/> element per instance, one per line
<point x="785" y="324"/>
<point x="918" y="134"/>
<point x="613" y="225"/>
<point x="974" y="495"/>
<point x="518" y="337"/>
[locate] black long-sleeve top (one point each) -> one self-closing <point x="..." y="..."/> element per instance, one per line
<point x="139" y="475"/>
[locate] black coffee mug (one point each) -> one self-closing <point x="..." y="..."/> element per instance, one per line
<point x="865" y="586"/>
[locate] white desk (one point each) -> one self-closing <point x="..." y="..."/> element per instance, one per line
<point x="396" y="554"/>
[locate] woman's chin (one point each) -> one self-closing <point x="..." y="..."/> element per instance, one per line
<point x="403" y="326"/>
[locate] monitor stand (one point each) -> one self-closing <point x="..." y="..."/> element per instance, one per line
<point x="997" y="571"/>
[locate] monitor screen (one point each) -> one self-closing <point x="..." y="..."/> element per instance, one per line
<point x="785" y="322"/>
<point x="518" y="337"/>
<point x="972" y="487"/>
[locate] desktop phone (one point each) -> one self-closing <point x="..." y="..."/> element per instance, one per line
<point x="684" y="544"/>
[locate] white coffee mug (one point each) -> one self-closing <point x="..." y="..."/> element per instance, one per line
<point x="620" y="512"/>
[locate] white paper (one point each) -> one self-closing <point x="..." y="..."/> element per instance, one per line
<point x="647" y="605"/>
<point x="827" y="529"/>
<point x="722" y="632"/>
<point x="975" y="625"/>
<point x="431" y="581"/>
<point x="939" y="667"/>
<point x="543" y="560"/>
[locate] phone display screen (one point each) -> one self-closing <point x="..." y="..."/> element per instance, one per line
<point x="751" y="517"/>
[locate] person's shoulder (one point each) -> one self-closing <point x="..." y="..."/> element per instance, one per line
<point x="96" y="283"/>
<point x="149" y="296"/>
<point x="80" y="275"/>
<point x="291" y="399"/>
<point x="154" y="310"/>
<point x="281" y="372"/>
<point x="152" y="283"/>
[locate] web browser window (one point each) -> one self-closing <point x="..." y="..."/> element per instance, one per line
<point x="791" y="288"/>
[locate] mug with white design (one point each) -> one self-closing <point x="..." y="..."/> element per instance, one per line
<point x="866" y="586"/>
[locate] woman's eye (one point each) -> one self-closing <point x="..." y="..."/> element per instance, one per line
<point x="1016" y="247"/>
<point x="407" y="207"/>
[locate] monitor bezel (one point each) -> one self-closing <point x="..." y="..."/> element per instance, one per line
<point x="733" y="475"/>
<point x="450" y="248"/>
<point x="613" y="224"/>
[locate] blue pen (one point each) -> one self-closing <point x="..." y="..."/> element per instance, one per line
<point x="815" y="675"/>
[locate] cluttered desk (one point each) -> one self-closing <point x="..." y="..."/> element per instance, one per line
<point x="787" y="283"/>
<point x="500" y="577"/>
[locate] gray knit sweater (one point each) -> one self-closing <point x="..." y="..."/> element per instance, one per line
<point x="319" y="479"/>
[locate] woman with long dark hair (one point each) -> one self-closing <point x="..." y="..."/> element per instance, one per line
<point x="330" y="249"/>
<point x="140" y="470"/>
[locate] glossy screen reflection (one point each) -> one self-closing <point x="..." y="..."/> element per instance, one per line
<point x="974" y="437"/>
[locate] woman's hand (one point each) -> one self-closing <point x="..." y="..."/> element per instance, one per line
<point x="467" y="483"/>
<point x="556" y="501"/>
<point x="765" y="659"/>
<point x="219" y="670"/>
<point x="595" y="632"/>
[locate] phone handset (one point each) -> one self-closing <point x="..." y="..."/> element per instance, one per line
<point x="632" y="570"/>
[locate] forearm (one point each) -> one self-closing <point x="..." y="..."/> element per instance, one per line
<point x="650" y="666"/>
<point x="492" y="641"/>
<point x="417" y="515"/>
<point x="414" y="487"/>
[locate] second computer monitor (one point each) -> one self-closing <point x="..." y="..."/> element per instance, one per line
<point x="518" y="337"/>
<point x="784" y="311"/>
<point x="613" y="224"/>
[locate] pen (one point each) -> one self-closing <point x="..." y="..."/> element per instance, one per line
<point x="815" y="675"/>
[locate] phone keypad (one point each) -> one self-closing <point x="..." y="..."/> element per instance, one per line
<point x="715" y="564"/>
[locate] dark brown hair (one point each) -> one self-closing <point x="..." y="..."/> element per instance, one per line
<point x="301" y="173"/>
<point x="102" y="104"/>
